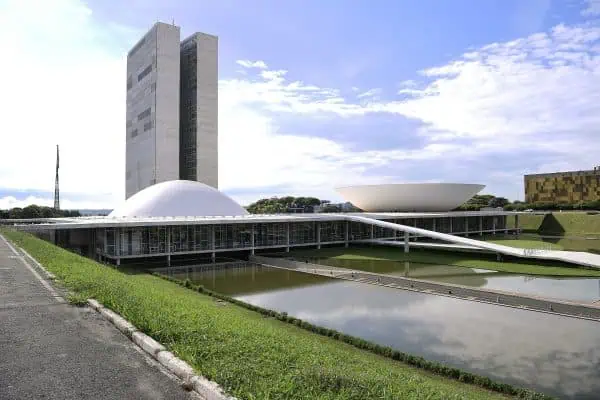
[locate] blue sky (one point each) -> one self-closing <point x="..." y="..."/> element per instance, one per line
<point x="312" y="94"/>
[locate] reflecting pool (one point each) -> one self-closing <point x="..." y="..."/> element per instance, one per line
<point x="557" y="355"/>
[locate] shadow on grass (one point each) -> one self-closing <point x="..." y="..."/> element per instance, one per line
<point x="551" y="225"/>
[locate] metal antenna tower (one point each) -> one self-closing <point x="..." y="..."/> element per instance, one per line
<point x="56" y="190"/>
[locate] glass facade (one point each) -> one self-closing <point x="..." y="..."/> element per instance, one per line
<point x="184" y="239"/>
<point x="274" y="234"/>
<point x="333" y="231"/>
<point x="303" y="232"/>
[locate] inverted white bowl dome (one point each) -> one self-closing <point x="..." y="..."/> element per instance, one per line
<point x="409" y="197"/>
<point x="178" y="199"/>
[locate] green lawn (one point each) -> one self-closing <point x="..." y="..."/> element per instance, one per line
<point x="527" y="222"/>
<point x="559" y="223"/>
<point x="468" y="260"/>
<point x="251" y="356"/>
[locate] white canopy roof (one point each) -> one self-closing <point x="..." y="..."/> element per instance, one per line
<point x="178" y="199"/>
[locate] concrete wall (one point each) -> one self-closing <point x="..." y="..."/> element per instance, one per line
<point x="207" y="137"/>
<point x="152" y="142"/>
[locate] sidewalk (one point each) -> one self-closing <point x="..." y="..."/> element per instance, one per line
<point x="52" y="350"/>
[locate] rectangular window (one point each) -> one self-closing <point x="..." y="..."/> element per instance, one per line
<point x="148" y="126"/>
<point x="144" y="114"/>
<point x="129" y="83"/>
<point x="134" y="133"/>
<point x="145" y="72"/>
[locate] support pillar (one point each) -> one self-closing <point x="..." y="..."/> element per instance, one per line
<point x="118" y="245"/>
<point x="433" y="225"/>
<point x="481" y="225"/>
<point x="406" y="242"/>
<point x="517" y="223"/>
<point x="466" y="226"/>
<point x="105" y="241"/>
<point x="451" y="230"/>
<point x="346" y="234"/>
<point x="318" y="235"/>
<point x="287" y="237"/>
<point x="213" y="255"/>
<point x="494" y="225"/>
<point x="168" y="246"/>
<point x="372" y="234"/>
<point x="252" y="227"/>
<point x="505" y="218"/>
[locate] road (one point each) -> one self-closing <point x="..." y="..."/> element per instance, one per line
<point x="52" y="350"/>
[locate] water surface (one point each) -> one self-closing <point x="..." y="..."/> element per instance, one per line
<point x="557" y="355"/>
<point x="576" y="289"/>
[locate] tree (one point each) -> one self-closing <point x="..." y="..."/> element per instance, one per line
<point x="15" y="213"/>
<point x="31" y="211"/>
<point x="498" y="202"/>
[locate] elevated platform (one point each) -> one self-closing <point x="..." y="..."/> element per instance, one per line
<point x="573" y="257"/>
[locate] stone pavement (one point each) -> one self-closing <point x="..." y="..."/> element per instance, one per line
<point x="52" y="350"/>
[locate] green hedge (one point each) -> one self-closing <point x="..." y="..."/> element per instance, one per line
<point x="419" y="362"/>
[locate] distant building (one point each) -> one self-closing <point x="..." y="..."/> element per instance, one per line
<point x="171" y="113"/>
<point x="563" y="187"/>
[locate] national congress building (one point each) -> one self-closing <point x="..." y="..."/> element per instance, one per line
<point x="172" y="103"/>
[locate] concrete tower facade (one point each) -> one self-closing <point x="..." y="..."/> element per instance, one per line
<point x="198" y="116"/>
<point x="171" y="123"/>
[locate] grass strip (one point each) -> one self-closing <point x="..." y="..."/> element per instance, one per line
<point x="256" y="353"/>
<point x="467" y="260"/>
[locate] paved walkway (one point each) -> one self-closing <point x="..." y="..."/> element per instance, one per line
<point x="52" y="350"/>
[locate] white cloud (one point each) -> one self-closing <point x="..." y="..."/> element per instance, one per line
<point x="540" y="92"/>
<point x="252" y="64"/>
<point x="592" y="8"/>
<point x="371" y="93"/>
<point x="61" y="84"/>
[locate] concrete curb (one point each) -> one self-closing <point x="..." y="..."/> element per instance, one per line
<point x="49" y="274"/>
<point x="207" y="389"/>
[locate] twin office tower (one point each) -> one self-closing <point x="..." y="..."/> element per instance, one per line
<point x="172" y="109"/>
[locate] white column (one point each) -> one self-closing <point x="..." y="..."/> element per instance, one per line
<point x="287" y="237"/>
<point x="466" y="225"/>
<point x="493" y="225"/>
<point x="451" y="218"/>
<point x="318" y="225"/>
<point x="169" y="245"/>
<point x="252" y="227"/>
<point x="433" y="224"/>
<point x="406" y="245"/>
<point x="480" y="225"/>
<point x="118" y="245"/>
<point x="213" y="255"/>
<point x="517" y="222"/>
<point x="346" y="234"/>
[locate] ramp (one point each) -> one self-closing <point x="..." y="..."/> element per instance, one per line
<point x="573" y="257"/>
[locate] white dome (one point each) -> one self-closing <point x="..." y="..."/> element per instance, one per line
<point x="178" y="199"/>
<point x="409" y="196"/>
